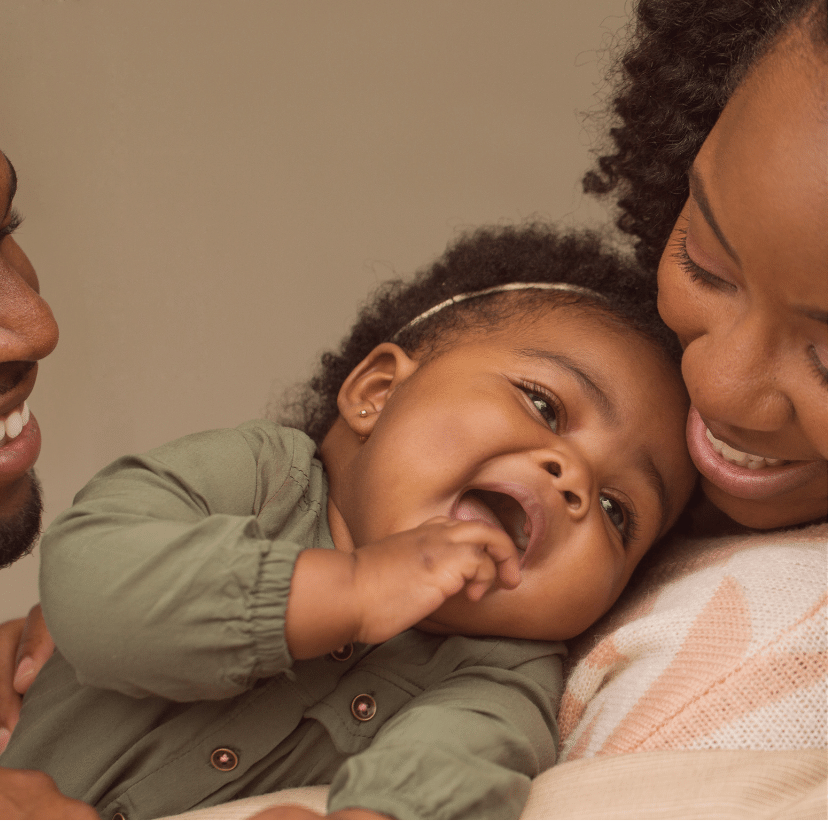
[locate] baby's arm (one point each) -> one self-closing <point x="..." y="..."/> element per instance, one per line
<point x="382" y="589"/>
<point x="165" y="578"/>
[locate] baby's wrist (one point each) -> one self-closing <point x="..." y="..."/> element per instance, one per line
<point x="322" y="615"/>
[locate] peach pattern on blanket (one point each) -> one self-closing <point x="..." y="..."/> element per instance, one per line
<point x="720" y="644"/>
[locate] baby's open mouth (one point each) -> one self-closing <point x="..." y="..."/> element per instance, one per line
<point x="499" y="510"/>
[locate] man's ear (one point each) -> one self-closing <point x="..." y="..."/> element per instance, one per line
<point x="369" y="385"/>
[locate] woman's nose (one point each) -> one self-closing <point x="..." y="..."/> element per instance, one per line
<point x="28" y="330"/>
<point x="734" y="377"/>
<point x="571" y="478"/>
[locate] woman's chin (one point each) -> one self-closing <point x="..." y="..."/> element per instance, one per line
<point x="806" y="505"/>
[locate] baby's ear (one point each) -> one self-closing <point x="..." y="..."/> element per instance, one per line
<point x="366" y="389"/>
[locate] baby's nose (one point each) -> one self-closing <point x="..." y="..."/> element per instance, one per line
<point x="571" y="478"/>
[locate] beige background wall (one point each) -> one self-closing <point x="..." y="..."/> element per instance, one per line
<point x="212" y="186"/>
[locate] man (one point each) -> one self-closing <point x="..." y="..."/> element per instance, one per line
<point x="28" y="332"/>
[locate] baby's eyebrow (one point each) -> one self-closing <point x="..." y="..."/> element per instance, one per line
<point x="588" y="381"/>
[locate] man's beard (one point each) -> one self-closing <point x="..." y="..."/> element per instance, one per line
<point x="19" y="532"/>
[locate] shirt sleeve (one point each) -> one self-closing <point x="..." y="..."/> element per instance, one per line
<point x="160" y="579"/>
<point x="467" y="747"/>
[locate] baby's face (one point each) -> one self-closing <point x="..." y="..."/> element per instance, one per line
<point x="565" y="431"/>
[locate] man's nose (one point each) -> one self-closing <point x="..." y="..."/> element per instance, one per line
<point x="28" y="330"/>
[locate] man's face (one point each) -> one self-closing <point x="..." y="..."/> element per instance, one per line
<point x="28" y="332"/>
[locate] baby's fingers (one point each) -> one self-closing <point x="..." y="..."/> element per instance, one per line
<point x="502" y="551"/>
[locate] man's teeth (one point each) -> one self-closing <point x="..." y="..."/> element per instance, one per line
<point x="738" y="457"/>
<point x="13" y="424"/>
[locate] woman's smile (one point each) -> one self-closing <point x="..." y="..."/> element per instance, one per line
<point x="743" y="475"/>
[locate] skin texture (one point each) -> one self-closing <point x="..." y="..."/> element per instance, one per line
<point x="31" y="794"/>
<point x="28" y="333"/>
<point x="25" y="646"/>
<point x="480" y="416"/>
<point x="749" y="302"/>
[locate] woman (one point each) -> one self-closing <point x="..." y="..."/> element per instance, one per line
<point x="720" y="645"/>
<point x="720" y="172"/>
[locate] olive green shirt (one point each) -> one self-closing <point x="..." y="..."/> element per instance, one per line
<point x="165" y="588"/>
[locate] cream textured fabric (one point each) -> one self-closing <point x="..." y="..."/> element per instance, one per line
<point x="662" y="784"/>
<point x="684" y="784"/>
<point x="720" y="644"/>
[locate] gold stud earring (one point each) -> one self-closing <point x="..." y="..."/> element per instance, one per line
<point x="363" y="413"/>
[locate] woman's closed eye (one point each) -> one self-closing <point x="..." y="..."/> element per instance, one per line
<point x="694" y="270"/>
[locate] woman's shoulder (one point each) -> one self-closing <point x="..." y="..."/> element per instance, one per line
<point x="718" y="643"/>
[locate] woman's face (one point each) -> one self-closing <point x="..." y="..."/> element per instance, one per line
<point x="744" y="284"/>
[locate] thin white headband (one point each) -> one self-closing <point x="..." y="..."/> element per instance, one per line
<point x="496" y="289"/>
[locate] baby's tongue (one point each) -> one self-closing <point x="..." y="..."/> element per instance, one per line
<point x="472" y="509"/>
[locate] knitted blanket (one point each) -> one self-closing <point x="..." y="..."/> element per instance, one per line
<point x="719" y="644"/>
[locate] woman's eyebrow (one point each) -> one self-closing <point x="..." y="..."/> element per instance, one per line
<point x="12" y="185"/>
<point x="590" y="383"/>
<point x="700" y="196"/>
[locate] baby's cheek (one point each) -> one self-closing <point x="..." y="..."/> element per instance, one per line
<point x="592" y="592"/>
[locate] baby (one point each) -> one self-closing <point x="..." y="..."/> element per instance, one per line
<point x="377" y="602"/>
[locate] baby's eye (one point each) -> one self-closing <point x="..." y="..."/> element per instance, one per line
<point x="546" y="409"/>
<point x="616" y="513"/>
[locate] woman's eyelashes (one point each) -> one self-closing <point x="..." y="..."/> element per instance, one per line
<point x="694" y="270"/>
<point x="12" y="224"/>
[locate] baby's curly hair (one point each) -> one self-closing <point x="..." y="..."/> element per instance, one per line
<point x="484" y="258"/>
<point x="685" y="60"/>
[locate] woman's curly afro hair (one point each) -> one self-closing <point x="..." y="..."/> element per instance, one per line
<point x="481" y="259"/>
<point x="685" y="59"/>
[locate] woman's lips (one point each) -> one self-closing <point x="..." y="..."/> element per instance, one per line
<point x="18" y="454"/>
<point x="742" y="481"/>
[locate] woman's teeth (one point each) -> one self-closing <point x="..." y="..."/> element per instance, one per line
<point x="13" y="424"/>
<point x="738" y="457"/>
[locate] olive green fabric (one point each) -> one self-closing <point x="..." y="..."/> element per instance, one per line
<point x="165" y="587"/>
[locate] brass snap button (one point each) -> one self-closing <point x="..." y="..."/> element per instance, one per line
<point x="224" y="759"/>
<point x="344" y="653"/>
<point x="363" y="707"/>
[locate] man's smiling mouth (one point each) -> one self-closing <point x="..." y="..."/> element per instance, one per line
<point x="499" y="510"/>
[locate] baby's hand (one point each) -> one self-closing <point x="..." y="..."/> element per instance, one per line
<point x="385" y="587"/>
<point x="401" y="579"/>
